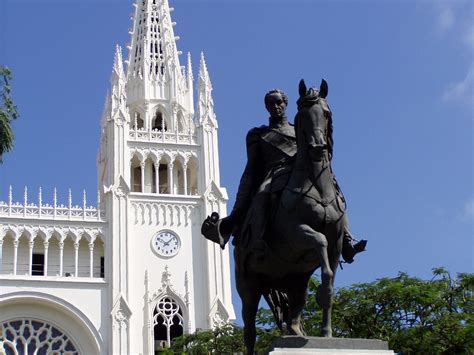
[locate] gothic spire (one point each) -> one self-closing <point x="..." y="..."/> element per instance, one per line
<point x="153" y="52"/>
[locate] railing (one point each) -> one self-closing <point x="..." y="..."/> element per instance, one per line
<point x="160" y="136"/>
<point x="47" y="211"/>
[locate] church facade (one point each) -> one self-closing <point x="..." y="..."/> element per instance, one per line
<point x="130" y="274"/>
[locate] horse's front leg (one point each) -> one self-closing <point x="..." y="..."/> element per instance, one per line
<point x="325" y="290"/>
<point x="334" y="256"/>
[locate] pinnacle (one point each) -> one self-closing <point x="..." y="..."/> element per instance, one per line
<point x="203" y="73"/>
<point x="118" y="61"/>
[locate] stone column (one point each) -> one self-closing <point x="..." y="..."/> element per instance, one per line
<point x="15" y="256"/>
<point x="46" y="248"/>
<point x="61" y="257"/>
<point x="185" y="178"/>
<point x="31" y="244"/>
<point x="157" y="177"/>
<point x="91" y="259"/>
<point x="170" y="178"/>
<point x="76" y="259"/>
<point x="142" y="177"/>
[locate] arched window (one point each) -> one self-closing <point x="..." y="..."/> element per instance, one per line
<point x="28" y="336"/>
<point x="159" y="123"/>
<point x="136" y="175"/>
<point x="167" y="322"/>
<point x="136" y="122"/>
<point x="149" y="176"/>
<point x="178" y="178"/>
<point x="163" y="177"/>
<point x="181" y="122"/>
<point x="191" y="174"/>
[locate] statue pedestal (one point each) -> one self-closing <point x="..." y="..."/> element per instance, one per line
<point x="289" y="345"/>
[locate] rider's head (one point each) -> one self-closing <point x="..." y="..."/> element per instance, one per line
<point x="276" y="102"/>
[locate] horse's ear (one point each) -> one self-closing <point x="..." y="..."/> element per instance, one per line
<point x="302" y="88"/>
<point x="323" y="89"/>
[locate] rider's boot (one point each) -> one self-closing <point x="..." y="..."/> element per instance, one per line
<point x="350" y="249"/>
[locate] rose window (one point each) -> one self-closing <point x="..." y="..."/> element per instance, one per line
<point x="32" y="337"/>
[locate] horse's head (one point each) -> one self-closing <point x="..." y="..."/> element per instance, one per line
<point x="311" y="96"/>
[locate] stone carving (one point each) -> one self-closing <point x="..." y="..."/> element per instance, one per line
<point x="162" y="214"/>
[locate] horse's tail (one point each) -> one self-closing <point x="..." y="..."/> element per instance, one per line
<point x="278" y="302"/>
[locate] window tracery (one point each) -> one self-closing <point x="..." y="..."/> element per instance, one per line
<point x="28" y="336"/>
<point x="167" y="321"/>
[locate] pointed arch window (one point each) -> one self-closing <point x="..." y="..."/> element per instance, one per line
<point x="159" y="122"/>
<point x="137" y="122"/>
<point x="167" y="322"/>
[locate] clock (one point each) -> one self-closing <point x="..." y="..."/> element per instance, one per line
<point x="166" y="243"/>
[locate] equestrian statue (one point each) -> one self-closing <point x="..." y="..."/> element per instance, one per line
<point x="289" y="218"/>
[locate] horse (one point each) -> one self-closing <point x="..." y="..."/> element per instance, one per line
<point x="305" y="232"/>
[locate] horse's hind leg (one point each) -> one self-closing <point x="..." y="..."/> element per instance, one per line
<point x="250" y="294"/>
<point x="297" y="299"/>
<point x="320" y="245"/>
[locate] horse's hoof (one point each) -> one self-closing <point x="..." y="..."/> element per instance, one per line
<point x="326" y="333"/>
<point x="295" y="330"/>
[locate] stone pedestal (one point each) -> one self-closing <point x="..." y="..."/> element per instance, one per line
<point x="289" y="345"/>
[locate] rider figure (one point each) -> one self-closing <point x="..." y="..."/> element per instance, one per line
<point x="270" y="150"/>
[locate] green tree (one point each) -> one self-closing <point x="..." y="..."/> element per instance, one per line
<point x="226" y="339"/>
<point x="8" y="112"/>
<point x="415" y="316"/>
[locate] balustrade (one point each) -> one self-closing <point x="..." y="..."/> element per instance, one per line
<point x="46" y="211"/>
<point x="141" y="134"/>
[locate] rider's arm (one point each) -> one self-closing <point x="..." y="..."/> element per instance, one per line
<point x="251" y="177"/>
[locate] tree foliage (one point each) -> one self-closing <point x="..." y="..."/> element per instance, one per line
<point x="8" y="111"/>
<point x="415" y="316"/>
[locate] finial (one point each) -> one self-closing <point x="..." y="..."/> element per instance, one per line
<point x="70" y="199"/>
<point x="40" y="197"/>
<point x="84" y="199"/>
<point x="98" y="198"/>
<point x="25" y="196"/>
<point x="55" y="197"/>
<point x="10" y="195"/>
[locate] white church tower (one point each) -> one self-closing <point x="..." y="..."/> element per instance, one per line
<point x="159" y="173"/>
<point x="135" y="271"/>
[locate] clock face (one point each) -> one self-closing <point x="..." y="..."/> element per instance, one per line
<point x="166" y="243"/>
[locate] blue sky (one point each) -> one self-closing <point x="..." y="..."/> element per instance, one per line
<point x="401" y="82"/>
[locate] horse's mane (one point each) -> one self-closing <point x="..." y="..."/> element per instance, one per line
<point x="312" y="98"/>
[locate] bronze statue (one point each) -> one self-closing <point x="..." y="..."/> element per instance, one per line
<point x="289" y="215"/>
